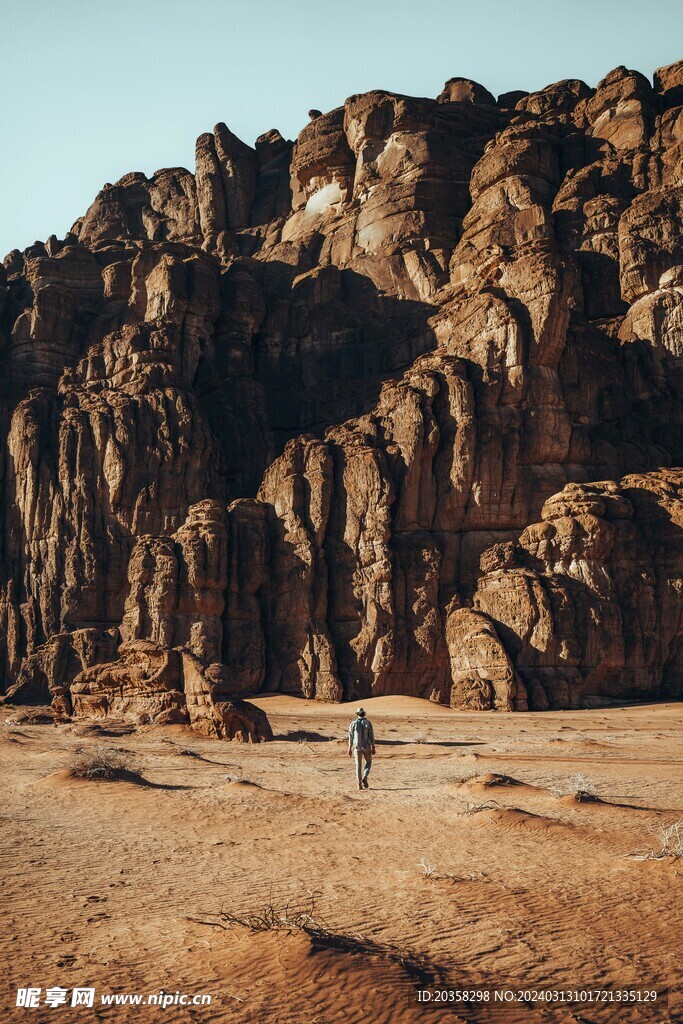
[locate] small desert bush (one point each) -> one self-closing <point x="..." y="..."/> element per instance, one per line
<point x="99" y="762"/>
<point x="430" y="870"/>
<point x="271" y="918"/>
<point x="668" y="841"/>
<point x="473" y="808"/>
<point x="302" y="917"/>
<point x="579" y="786"/>
<point x="426" y="867"/>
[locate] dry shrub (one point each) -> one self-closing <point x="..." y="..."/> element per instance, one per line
<point x="474" y="808"/>
<point x="426" y="867"/>
<point x="100" y="762"/>
<point x="302" y="918"/>
<point x="578" y="786"/>
<point x="430" y="870"/>
<point x="668" y="839"/>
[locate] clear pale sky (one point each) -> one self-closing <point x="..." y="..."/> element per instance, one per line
<point x="93" y="89"/>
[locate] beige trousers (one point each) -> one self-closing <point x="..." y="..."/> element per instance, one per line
<point x="360" y="756"/>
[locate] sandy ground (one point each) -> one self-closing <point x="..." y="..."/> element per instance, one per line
<point x="120" y="885"/>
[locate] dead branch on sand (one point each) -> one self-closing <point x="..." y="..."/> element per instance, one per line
<point x="300" y="918"/>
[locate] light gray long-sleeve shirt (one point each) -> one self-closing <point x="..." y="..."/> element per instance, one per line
<point x="361" y="734"/>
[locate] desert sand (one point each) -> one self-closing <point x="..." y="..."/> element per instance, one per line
<point x="441" y="875"/>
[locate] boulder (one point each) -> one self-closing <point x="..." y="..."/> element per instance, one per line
<point x="149" y="683"/>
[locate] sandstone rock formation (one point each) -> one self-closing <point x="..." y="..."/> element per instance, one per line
<point x="153" y="684"/>
<point x="394" y="408"/>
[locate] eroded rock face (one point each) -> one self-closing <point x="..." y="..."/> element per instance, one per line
<point x="151" y="684"/>
<point x="161" y="208"/>
<point x="592" y="604"/>
<point x="481" y="670"/>
<point x="144" y="683"/>
<point x="393" y="408"/>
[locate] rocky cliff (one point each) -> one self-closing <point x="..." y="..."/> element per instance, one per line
<point x="395" y="408"/>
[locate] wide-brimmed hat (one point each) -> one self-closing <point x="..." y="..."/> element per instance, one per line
<point x="360" y="711"/>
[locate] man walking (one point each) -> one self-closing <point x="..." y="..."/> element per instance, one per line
<point x="362" y="746"/>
